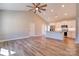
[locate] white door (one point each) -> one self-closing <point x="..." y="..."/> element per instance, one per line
<point x="44" y="29"/>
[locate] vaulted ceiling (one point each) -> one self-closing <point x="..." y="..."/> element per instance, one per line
<point x="54" y="11"/>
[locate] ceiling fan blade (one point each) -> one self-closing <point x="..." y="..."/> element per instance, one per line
<point x="43" y="9"/>
<point x="43" y="5"/>
<point x="34" y="4"/>
<point x="35" y="11"/>
<point x="39" y="10"/>
<point x="30" y="6"/>
<point x="38" y="4"/>
<point x="30" y="10"/>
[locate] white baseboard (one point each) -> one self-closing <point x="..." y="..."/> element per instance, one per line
<point x="14" y="38"/>
<point x="19" y="38"/>
<point x="35" y="35"/>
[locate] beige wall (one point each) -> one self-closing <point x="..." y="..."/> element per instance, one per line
<point x="14" y="22"/>
<point x="19" y="24"/>
<point x="38" y="21"/>
<point x="0" y="23"/>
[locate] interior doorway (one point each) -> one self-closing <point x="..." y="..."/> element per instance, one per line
<point x="32" y="29"/>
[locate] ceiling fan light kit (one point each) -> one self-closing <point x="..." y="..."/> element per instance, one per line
<point x="38" y="7"/>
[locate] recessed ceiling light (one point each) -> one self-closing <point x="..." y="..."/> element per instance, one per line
<point x="65" y="14"/>
<point x="62" y="5"/>
<point x="52" y="10"/>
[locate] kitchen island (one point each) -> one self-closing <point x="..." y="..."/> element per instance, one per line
<point x="54" y="35"/>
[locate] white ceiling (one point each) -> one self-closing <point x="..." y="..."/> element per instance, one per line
<point x="14" y="6"/>
<point x="68" y="11"/>
<point x="58" y="12"/>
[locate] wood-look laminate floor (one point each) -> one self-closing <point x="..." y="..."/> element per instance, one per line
<point x="39" y="46"/>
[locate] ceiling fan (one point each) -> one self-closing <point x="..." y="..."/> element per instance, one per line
<point x="38" y="7"/>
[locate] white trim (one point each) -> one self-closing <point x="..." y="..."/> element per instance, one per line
<point x="19" y="38"/>
<point x="35" y="35"/>
<point x="14" y="38"/>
